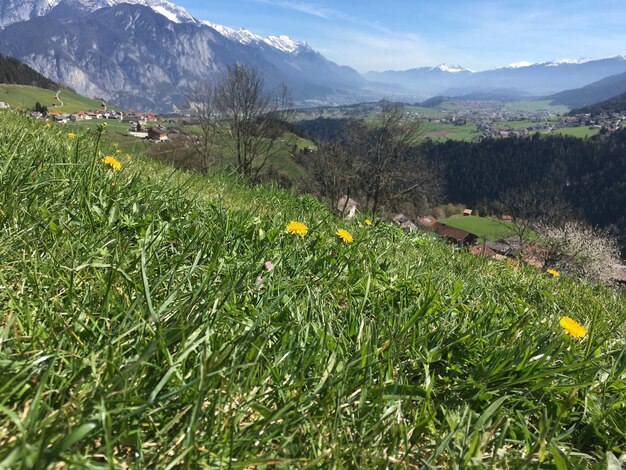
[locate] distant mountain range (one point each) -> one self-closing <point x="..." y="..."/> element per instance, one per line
<point x="517" y="79"/>
<point x="146" y="54"/>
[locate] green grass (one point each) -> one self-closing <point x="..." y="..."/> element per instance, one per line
<point x="25" y="97"/>
<point x="520" y="124"/>
<point x="580" y="132"/>
<point x="113" y="125"/>
<point x="117" y="134"/>
<point x="442" y="131"/>
<point x="135" y="331"/>
<point x="539" y="105"/>
<point x="485" y="227"/>
<point x="424" y="111"/>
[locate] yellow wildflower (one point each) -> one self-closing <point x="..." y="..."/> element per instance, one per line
<point x="368" y="222"/>
<point x="572" y="327"/>
<point x="71" y="135"/>
<point x="297" y="228"/>
<point x="112" y="162"/>
<point x="345" y="236"/>
<point x="553" y="273"/>
<point x="48" y="125"/>
<point x="118" y="151"/>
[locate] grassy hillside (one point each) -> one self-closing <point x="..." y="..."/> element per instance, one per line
<point x="25" y="97"/>
<point x="142" y="327"/>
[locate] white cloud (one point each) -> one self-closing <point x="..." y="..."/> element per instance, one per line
<point x="301" y="7"/>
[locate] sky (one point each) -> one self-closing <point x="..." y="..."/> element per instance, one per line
<point x="403" y="34"/>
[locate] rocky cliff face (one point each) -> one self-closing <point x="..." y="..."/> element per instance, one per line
<point x="148" y="56"/>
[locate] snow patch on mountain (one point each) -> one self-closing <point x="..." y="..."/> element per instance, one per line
<point x="169" y="10"/>
<point x="556" y="63"/>
<point x="518" y="65"/>
<point x="241" y="35"/>
<point x="244" y="36"/>
<point x="283" y="43"/>
<point x="12" y="11"/>
<point x="451" y="68"/>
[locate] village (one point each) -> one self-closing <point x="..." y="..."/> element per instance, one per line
<point x="512" y="247"/>
<point x="484" y="119"/>
<point x="495" y="119"/>
<point x="140" y="125"/>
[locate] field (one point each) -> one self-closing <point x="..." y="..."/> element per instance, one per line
<point x="25" y="97"/>
<point x="424" y="111"/>
<point x="154" y="318"/>
<point x="117" y="134"/>
<point x="539" y="105"/>
<point x="580" y="132"/>
<point x="440" y="131"/>
<point x="484" y="227"/>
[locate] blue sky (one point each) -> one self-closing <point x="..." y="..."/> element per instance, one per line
<point x="402" y="34"/>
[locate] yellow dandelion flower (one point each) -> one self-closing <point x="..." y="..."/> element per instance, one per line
<point x="572" y="327"/>
<point x="71" y="135"/>
<point x="345" y="236"/>
<point x="297" y="228"/>
<point x="368" y="222"/>
<point x="553" y="273"/>
<point x="112" y="162"/>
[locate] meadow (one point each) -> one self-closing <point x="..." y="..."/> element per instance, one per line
<point x="440" y="132"/>
<point x="485" y="227"/>
<point x="538" y="105"/>
<point x="581" y="132"/>
<point x="25" y="97"/>
<point x="154" y="318"/>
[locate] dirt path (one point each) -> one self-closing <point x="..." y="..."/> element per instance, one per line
<point x="58" y="99"/>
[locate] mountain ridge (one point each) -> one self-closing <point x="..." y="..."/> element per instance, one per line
<point x="65" y="40"/>
<point x="136" y="57"/>
<point x="593" y="93"/>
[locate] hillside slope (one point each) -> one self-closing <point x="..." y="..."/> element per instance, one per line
<point x="14" y="72"/>
<point x="616" y="104"/>
<point x="24" y="97"/>
<point x="593" y="93"/>
<point x="144" y="327"/>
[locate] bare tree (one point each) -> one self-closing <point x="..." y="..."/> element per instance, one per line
<point x="393" y="168"/>
<point x="252" y="116"/>
<point x="201" y="104"/>
<point x="531" y="207"/>
<point x="332" y="172"/>
<point x="380" y="165"/>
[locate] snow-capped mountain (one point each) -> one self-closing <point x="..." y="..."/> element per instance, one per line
<point x="451" y="68"/>
<point x="12" y="11"/>
<point x="517" y="79"/>
<point x="243" y="36"/>
<point x="148" y="53"/>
